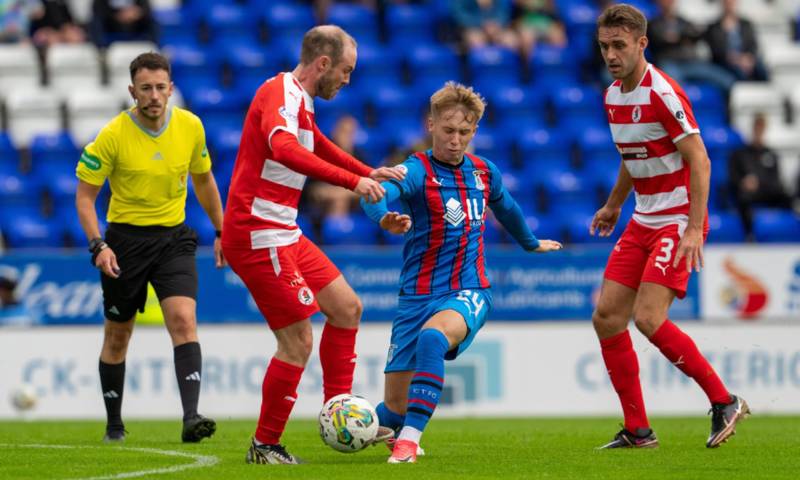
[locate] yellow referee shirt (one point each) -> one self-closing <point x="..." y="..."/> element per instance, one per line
<point x="147" y="170"/>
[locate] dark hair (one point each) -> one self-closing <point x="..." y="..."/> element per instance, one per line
<point x="324" y="40"/>
<point x="150" y="61"/>
<point x="625" y="16"/>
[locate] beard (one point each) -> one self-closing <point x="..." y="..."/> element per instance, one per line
<point x="327" y="87"/>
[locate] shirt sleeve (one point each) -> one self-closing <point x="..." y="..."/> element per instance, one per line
<point x="98" y="159"/>
<point x="376" y="211"/>
<point x="414" y="180"/>
<point x="330" y="152"/>
<point x="508" y="212"/>
<point x="201" y="161"/>
<point x="280" y="108"/>
<point x="674" y="111"/>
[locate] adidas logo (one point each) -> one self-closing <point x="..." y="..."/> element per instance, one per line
<point x="113" y="310"/>
<point x="111" y="394"/>
<point x="193" y="376"/>
<point x="157" y="156"/>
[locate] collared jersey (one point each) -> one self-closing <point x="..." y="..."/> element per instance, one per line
<point x="444" y="250"/>
<point x="646" y="123"/>
<point x="147" y="171"/>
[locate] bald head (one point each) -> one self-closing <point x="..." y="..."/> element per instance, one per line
<point x="328" y="40"/>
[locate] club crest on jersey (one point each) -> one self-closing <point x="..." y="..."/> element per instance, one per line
<point x="478" y="180"/>
<point x="305" y="296"/>
<point x="636" y="114"/>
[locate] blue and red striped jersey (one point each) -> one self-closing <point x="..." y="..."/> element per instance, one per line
<point x="444" y="250"/>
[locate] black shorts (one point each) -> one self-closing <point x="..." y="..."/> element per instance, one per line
<point x="163" y="256"/>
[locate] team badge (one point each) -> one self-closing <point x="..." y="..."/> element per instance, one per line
<point x="402" y="169"/>
<point x="636" y="115"/>
<point x="305" y="296"/>
<point x="680" y="115"/>
<point x="478" y="180"/>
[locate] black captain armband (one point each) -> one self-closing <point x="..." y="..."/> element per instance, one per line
<point x="96" y="245"/>
<point x="218" y="233"/>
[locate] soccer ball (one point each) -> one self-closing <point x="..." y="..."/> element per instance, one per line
<point x="24" y="398"/>
<point x="348" y="423"/>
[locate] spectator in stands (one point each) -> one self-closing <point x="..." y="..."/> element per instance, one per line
<point x="15" y="18"/>
<point x="537" y="21"/>
<point x="484" y="22"/>
<point x="333" y="200"/>
<point x="734" y="46"/>
<point x="122" y="20"/>
<point x="12" y="312"/>
<point x="754" y="177"/>
<point x="673" y="43"/>
<point x="54" y="24"/>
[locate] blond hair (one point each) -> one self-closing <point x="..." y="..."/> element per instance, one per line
<point x="454" y="94"/>
<point x="624" y="16"/>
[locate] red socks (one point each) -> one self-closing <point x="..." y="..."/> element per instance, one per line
<point x="278" y="394"/>
<point x="338" y="358"/>
<point x="681" y="350"/>
<point x="623" y="368"/>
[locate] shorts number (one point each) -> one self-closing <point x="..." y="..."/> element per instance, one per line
<point x="472" y="300"/>
<point x="666" y="249"/>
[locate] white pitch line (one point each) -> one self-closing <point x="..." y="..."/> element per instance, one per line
<point x="200" y="461"/>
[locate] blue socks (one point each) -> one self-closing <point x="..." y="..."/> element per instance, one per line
<point x="388" y="418"/>
<point x="426" y="385"/>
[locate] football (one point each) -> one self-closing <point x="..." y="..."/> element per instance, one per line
<point x="348" y="423"/>
<point x="24" y="398"/>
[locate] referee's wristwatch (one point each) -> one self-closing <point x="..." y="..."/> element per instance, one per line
<point x="96" y="245"/>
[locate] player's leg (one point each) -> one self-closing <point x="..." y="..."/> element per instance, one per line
<point x="610" y="320"/>
<point x="650" y="314"/>
<point x="174" y="279"/>
<point x="116" y="336"/>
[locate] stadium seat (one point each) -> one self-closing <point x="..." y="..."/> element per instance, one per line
<point x="725" y="227"/>
<point x="773" y="225"/>
<point x="495" y="145"/>
<point x="515" y="109"/>
<point x="542" y="148"/>
<point x="597" y="150"/>
<point x="69" y="65"/>
<point x="60" y="181"/>
<point x="250" y="64"/>
<point x="353" y="229"/>
<point x="231" y="22"/>
<point x="217" y="107"/>
<point x="749" y="98"/>
<point x="175" y="25"/>
<point x="89" y="110"/>
<point x="9" y="155"/>
<point x="374" y="143"/>
<point x="32" y="110"/>
<point x="554" y="62"/>
<point x="391" y="105"/>
<point x="53" y="149"/>
<point x="19" y="65"/>
<point x="284" y="20"/>
<point x="33" y="231"/>
<point x="708" y="105"/>
<point x="307" y="227"/>
<point x="193" y="67"/>
<point x="224" y="143"/>
<point x="197" y="219"/>
<point x="377" y="65"/>
<point x="544" y="226"/>
<point x="358" y="20"/>
<point x="410" y="24"/>
<point x="493" y="62"/>
<point x="119" y="56"/>
<point x="19" y="191"/>
<point x="432" y="60"/>
<point x="577" y="108"/>
<point x="347" y="102"/>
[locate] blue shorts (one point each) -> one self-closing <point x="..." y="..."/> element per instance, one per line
<point x="414" y="310"/>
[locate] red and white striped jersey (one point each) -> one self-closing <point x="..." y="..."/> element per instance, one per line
<point x="646" y="123"/>
<point x="261" y="210"/>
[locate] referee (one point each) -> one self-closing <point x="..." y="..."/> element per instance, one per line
<point x="147" y="153"/>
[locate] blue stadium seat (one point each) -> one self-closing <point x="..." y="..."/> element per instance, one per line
<point x="725" y="227"/>
<point x="305" y="224"/>
<point x="567" y="190"/>
<point x="554" y="62"/>
<point x="224" y="143"/>
<point x="175" y="25"/>
<point x="359" y="21"/>
<point x="494" y="233"/>
<point x="193" y="67"/>
<point x="284" y="19"/>
<point x="218" y="107"/>
<point x="354" y="229"/>
<point x="597" y="149"/>
<point x="230" y="22"/>
<point x="374" y="143"/>
<point x="406" y="135"/>
<point x="544" y="226"/>
<point x="543" y="149"/>
<point x="197" y="219"/>
<point x="250" y="64"/>
<point x="346" y="102"/>
<point x="59" y="179"/>
<point x="377" y="65"/>
<point x="53" y="149"/>
<point x="9" y="156"/>
<point x="432" y="61"/>
<point x="577" y="108"/>
<point x="493" y="64"/>
<point x="517" y="109"/>
<point x="392" y="105"/>
<point x="708" y="105"/>
<point x="494" y="144"/>
<point x="20" y="191"/>
<point x="33" y="231"/>
<point x="774" y="225"/>
<point x="410" y="24"/>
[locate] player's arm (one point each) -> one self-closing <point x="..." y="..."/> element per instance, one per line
<point x="392" y="222"/>
<point x="606" y="218"/>
<point x="331" y="153"/>
<point x="207" y="193"/>
<point x="694" y="152"/>
<point x="288" y="151"/>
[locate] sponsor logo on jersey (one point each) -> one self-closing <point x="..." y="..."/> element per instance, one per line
<point x="454" y="212"/>
<point x="204" y="153"/>
<point x="91" y="162"/>
<point x="287" y="114"/>
<point x="305" y="296"/>
<point x="680" y="115"/>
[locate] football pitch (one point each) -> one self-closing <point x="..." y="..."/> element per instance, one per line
<point x="765" y="447"/>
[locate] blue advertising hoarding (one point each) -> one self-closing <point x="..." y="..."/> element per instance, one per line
<point x="63" y="288"/>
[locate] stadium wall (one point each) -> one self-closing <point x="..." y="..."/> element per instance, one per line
<point x="513" y="369"/>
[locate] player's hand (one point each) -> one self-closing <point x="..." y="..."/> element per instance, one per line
<point x="396" y="223"/>
<point x="383" y="174"/>
<point x="219" y="258"/>
<point x="548" y="246"/>
<point x="106" y="261"/>
<point x="370" y="190"/>
<point x="604" y="221"/>
<point x="690" y="247"/>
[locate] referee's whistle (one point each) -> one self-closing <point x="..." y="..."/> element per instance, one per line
<point x="116" y="270"/>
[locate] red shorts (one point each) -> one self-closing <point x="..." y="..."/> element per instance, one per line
<point x="644" y="254"/>
<point x="284" y="281"/>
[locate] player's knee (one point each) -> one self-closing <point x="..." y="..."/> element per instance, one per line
<point x="351" y="312"/>
<point x="116" y="340"/>
<point x="297" y="349"/>
<point x="182" y="325"/>
<point x="646" y="320"/>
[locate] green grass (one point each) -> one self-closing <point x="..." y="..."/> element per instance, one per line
<point x="765" y="447"/>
